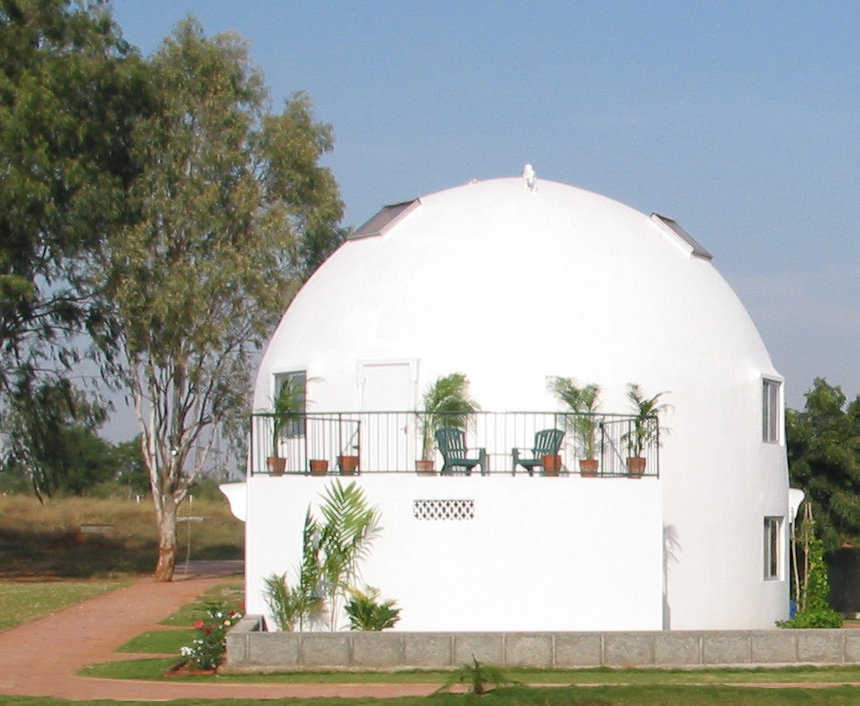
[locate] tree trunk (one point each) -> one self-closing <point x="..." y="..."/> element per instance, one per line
<point x="166" y="540"/>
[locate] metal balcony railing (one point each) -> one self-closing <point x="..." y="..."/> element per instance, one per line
<point x="392" y="442"/>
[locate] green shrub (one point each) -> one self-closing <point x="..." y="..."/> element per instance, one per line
<point x="815" y="610"/>
<point x="283" y="601"/>
<point x="478" y="676"/>
<point x="821" y="618"/>
<point x="206" y="650"/>
<point x="206" y="488"/>
<point x="366" y="614"/>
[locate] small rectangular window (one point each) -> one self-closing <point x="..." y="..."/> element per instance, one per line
<point x="297" y="382"/>
<point x="772" y="548"/>
<point x="770" y="410"/>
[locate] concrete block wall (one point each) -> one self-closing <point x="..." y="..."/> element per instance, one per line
<point x="251" y="649"/>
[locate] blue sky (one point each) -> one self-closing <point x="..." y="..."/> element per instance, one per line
<point x="741" y="120"/>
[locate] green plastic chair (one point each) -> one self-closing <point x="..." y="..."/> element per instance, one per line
<point x="547" y="441"/>
<point x="455" y="454"/>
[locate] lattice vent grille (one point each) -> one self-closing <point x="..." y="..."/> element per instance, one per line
<point x="447" y="509"/>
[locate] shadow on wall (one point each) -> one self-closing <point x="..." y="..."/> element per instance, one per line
<point x="671" y="551"/>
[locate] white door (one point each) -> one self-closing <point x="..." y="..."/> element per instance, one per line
<point x="388" y="425"/>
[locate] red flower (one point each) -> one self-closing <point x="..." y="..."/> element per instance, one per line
<point x="198" y="624"/>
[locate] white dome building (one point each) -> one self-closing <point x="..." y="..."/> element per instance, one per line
<point x="512" y="281"/>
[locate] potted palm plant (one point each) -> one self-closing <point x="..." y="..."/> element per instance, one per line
<point x="583" y="402"/>
<point x="446" y="404"/>
<point x="286" y="408"/>
<point x="643" y="431"/>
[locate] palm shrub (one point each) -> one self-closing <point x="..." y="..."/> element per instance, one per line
<point x="447" y="403"/>
<point x="344" y="539"/>
<point x="366" y="613"/>
<point x="583" y="401"/>
<point x="281" y="600"/>
<point x="645" y="412"/>
<point x="331" y="552"/>
<point x="286" y="407"/>
<point x="303" y="602"/>
<point x="309" y="599"/>
<point x="478" y="676"/>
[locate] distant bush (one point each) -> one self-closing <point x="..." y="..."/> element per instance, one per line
<point x="206" y="489"/>
<point x="115" y="489"/>
<point x="821" y="618"/>
<point x="13" y="479"/>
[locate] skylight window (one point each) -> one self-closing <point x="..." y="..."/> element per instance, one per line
<point x="382" y="219"/>
<point x="698" y="250"/>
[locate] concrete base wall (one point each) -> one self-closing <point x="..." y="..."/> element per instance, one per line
<point x="251" y="649"/>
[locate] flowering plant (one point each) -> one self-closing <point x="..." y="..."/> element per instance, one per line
<point x="206" y="650"/>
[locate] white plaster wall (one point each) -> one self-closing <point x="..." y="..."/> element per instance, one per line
<point x="541" y="553"/>
<point x="510" y="287"/>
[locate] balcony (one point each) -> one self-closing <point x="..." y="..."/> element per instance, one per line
<point x="392" y="442"/>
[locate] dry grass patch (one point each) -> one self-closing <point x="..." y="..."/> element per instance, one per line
<point x="46" y="540"/>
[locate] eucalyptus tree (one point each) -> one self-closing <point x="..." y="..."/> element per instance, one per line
<point x="70" y="92"/>
<point x="228" y="191"/>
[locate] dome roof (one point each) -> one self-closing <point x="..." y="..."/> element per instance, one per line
<point x="511" y="284"/>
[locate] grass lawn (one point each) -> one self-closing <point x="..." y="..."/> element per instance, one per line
<point x="230" y="592"/>
<point x="28" y="600"/>
<point x="569" y="696"/>
<point x="159" y="641"/>
<point x="153" y="669"/>
<point x="44" y="540"/>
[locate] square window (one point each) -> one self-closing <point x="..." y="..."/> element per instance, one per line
<point x="772" y="548"/>
<point x="770" y="410"/>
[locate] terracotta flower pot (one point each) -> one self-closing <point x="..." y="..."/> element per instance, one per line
<point x="424" y="467"/>
<point x="551" y="464"/>
<point x="276" y="465"/>
<point x="588" y="467"/>
<point x="636" y="466"/>
<point x="347" y="464"/>
<point x="319" y="467"/>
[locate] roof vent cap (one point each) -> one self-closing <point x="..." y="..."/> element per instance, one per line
<point x="529" y="177"/>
